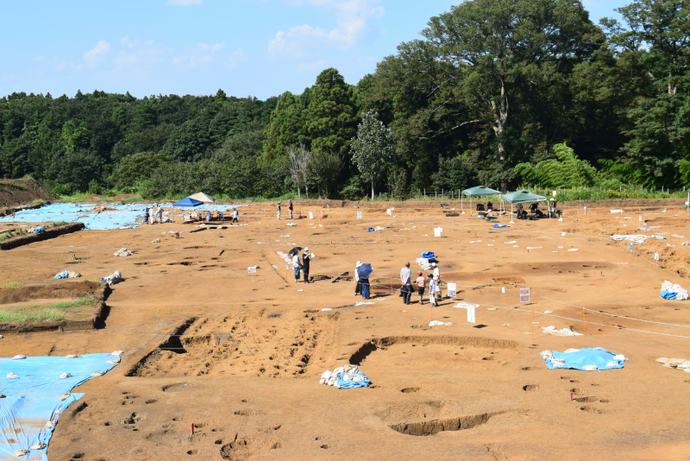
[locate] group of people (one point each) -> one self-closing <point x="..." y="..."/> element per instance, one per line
<point x="290" y="209"/>
<point x="534" y="209"/>
<point x="363" y="287"/>
<point x="303" y="265"/>
<point x="489" y="207"/>
<point x="435" y="294"/>
<point x="151" y="216"/>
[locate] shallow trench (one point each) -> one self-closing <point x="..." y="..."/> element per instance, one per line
<point x="434" y="426"/>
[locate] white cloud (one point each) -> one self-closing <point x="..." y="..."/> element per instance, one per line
<point x="352" y="19"/>
<point x="94" y="56"/>
<point x="295" y="42"/>
<point x="185" y="2"/>
<point x="236" y="58"/>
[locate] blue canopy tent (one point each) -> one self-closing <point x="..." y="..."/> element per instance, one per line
<point x="188" y="203"/>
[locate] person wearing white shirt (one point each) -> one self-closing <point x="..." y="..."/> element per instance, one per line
<point x="296" y="265"/>
<point x="437" y="279"/>
<point x="406" y="279"/>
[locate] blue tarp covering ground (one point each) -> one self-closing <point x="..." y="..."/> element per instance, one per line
<point x="350" y="384"/>
<point x="117" y="216"/>
<point x="587" y="359"/>
<point x="33" y="398"/>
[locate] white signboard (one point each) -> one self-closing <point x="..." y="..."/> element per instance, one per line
<point x="251" y="270"/>
<point x="437" y="231"/>
<point x="359" y="215"/>
<point x="452" y="293"/>
<point x="524" y="295"/>
<point x="656" y="256"/>
<point x="311" y="215"/>
<point x="471" y="315"/>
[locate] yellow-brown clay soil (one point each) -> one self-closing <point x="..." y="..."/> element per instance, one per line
<point x="247" y="351"/>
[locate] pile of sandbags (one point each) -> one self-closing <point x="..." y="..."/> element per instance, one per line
<point x="680" y="364"/>
<point x="112" y="279"/>
<point x="347" y="377"/>
<point x="673" y="291"/>
<point x="424" y="264"/>
<point x="124" y="252"/>
<point x="67" y="275"/>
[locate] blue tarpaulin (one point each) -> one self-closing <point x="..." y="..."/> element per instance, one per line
<point x="668" y="294"/>
<point x="587" y="359"/>
<point x="32" y="404"/>
<point x="114" y="217"/>
<point x="349" y="384"/>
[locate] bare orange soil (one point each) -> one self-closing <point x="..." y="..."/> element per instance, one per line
<point x="238" y="356"/>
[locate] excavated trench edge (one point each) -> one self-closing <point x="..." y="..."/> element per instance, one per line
<point x="381" y="343"/>
<point x="434" y="426"/>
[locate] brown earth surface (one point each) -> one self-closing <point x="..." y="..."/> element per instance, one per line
<point x="238" y="356"/>
<point x="18" y="192"/>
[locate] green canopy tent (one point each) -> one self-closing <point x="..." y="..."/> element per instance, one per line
<point x="477" y="191"/>
<point x="522" y="196"/>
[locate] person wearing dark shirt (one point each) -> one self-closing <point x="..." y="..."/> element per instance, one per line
<point x="306" y="259"/>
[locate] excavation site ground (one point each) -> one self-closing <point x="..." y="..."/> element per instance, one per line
<point x="223" y="363"/>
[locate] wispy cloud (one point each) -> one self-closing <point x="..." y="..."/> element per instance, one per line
<point x="185" y="2"/>
<point x="352" y="19"/>
<point x="95" y="55"/>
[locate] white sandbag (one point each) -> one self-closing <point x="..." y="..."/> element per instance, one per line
<point x="19" y="357"/>
<point x="65" y="375"/>
<point x="124" y="252"/>
<point x="630" y="238"/>
<point x="65" y="396"/>
<point x="11" y="375"/>
<point x="38" y="446"/>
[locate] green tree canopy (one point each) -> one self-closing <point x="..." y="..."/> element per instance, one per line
<point x="372" y="148"/>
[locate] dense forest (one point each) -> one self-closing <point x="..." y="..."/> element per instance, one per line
<point x="499" y="92"/>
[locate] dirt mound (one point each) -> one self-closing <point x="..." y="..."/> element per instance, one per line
<point x="63" y="289"/>
<point x="17" y="192"/>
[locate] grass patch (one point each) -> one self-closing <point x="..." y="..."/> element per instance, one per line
<point x="21" y="316"/>
<point x="11" y="285"/>
<point x="85" y="301"/>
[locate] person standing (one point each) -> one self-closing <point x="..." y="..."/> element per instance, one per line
<point x="278" y="206"/>
<point x="159" y="214"/>
<point x="290" y="207"/>
<point x="296" y="265"/>
<point x="421" y="284"/>
<point x="437" y="278"/>
<point x="146" y="215"/>
<point x="406" y="279"/>
<point x="235" y="216"/>
<point x="432" y="291"/>
<point x="364" y="282"/>
<point x="358" y="287"/>
<point x="306" y="259"/>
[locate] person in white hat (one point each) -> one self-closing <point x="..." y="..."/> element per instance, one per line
<point x="553" y="208"/>
<point x="358" y="287"/>
<point x="437" y="279"/>
<point x="306" y="258"/>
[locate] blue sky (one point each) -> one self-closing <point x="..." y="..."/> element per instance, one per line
<point x="246" y="47"/>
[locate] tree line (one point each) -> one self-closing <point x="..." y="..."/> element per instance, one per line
<point x="498" y="92"/>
